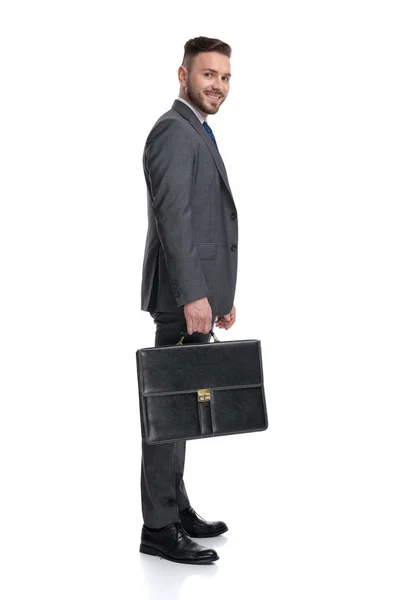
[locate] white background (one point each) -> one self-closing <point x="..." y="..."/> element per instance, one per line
<point x="310" y="138"/>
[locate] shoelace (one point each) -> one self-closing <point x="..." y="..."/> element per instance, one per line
<point x="180" y="532"/>
<point x="193" y="513"/>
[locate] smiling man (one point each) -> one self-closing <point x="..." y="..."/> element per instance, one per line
<point x="189" y="273"/>
<point x="205" y="81"/>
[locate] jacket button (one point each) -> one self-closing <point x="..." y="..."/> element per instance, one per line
<point x="233" y="247"/>
<point x="233" y="216"/>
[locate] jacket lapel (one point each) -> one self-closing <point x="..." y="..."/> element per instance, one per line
<point x="188" y="114"/>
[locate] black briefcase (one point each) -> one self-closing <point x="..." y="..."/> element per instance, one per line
<point x="191" y="391"/>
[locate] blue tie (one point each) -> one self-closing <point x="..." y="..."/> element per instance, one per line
<point x="210" y="133"/>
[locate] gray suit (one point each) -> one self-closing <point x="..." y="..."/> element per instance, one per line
<point x="192" y="237"/>
<point x="191" y="252"/>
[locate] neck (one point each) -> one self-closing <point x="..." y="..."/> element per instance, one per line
<point x="203" y="114"/>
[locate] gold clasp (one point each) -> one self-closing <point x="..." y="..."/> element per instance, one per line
<point x="204" y="395"/>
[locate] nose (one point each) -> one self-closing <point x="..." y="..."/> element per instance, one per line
<point x="218" y="85"/>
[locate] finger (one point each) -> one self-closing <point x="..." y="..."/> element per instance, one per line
<point x="208" y="323"/>
<point x="189" y="326"/>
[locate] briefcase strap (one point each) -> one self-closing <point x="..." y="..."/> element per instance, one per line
<point x="185" y="333"/>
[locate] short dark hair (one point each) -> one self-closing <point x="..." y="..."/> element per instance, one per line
<point x="203" y="44"/>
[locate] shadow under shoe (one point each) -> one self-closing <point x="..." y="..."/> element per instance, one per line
<point x="196" y="526"/>
<point x="172" y="542"/>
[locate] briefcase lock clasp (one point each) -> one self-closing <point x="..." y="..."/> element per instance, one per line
<point x="204" y="395"/>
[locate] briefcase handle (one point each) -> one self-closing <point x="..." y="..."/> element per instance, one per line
<point x="184" y="333"/>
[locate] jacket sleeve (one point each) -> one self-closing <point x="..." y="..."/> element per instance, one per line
<point x="168" y="161"/>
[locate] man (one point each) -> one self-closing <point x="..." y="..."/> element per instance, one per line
<point x="189" y="274"/>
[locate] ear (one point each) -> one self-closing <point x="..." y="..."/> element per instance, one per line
<point x="182" y="75"/>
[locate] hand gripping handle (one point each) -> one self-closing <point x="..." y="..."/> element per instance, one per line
<point x="185" y="333"/>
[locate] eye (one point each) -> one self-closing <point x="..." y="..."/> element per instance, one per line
<point x="205" y="74"/>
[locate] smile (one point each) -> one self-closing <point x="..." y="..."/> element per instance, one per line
<point x="213" y="96"/>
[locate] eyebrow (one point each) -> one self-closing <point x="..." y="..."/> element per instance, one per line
<point x="214" y="71"/>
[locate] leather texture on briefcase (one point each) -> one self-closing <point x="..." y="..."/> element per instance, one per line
<point x="230" y="375"/>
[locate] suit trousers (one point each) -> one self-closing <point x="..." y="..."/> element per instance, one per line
<point x="163" y="490"/>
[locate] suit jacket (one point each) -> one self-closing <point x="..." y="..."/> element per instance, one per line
<point x="191" y="246"/>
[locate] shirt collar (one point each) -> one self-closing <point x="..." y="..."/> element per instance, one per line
<point x="198" y="114"/>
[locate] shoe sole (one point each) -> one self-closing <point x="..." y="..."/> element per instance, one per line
<point x="208" y="535"/>
<point x="153" y="552"/>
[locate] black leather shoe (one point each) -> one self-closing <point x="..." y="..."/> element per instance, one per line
<point x="195" y="526"/>
<point x="171" y="542"/>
